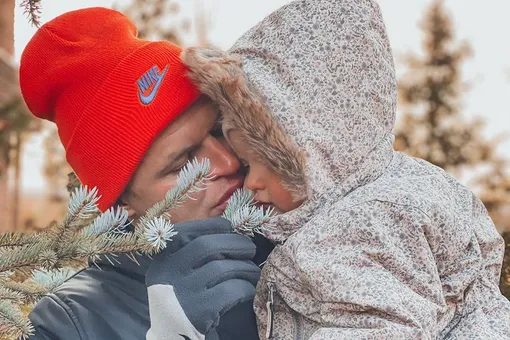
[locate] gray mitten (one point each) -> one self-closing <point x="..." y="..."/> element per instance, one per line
<point x="205" y="271"/>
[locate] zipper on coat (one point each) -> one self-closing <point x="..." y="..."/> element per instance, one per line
<point x="270" y="310"/>
<point x="298" y="322"/>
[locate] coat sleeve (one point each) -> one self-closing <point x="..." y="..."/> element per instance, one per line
<point x="53" y="320"/>
<point x="388" y="271"/>
<point x="374" y="274"/>
<point x="483" y="307"/>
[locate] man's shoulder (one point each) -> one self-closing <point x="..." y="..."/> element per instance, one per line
<point x="90" y="304"/>
<point x="94" y="287"/>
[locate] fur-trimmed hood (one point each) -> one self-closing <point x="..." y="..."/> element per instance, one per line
<point x="313" y="89"/>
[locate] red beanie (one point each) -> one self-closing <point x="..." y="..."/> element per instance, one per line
<point x="109" y="93"/>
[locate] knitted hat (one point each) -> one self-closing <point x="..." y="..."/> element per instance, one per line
<point x="109" y="93"/>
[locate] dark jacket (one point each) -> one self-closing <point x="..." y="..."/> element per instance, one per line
<point x="106" y="301"/>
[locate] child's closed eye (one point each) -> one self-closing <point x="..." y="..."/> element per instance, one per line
<point x="245" y="166"/>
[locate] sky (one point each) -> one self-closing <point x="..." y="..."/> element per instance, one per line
<point x="482" y="23"/>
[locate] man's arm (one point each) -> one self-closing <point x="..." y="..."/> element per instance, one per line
<point x="231" y="316"/>
<point x="53" y="320"/>
<point x="202" y="285"/>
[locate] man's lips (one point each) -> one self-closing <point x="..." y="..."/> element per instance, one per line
<point x="236" y="184"/>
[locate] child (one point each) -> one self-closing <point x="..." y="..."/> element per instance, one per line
<point x="371" y="243"/>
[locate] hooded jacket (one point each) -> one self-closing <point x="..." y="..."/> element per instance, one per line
<point x="385" y="246"/>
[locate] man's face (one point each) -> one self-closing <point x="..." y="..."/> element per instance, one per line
<point x="191" y="135"/>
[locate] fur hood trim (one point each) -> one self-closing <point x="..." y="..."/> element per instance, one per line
<point x="221" y="77"/>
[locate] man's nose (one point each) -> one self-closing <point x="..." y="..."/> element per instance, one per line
<point x="223" y="161"/>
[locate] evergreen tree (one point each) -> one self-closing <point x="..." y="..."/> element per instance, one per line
<point x="32" y="9"/>
<point x="157" y="20"/>
<point x="432" y="126"/>
<point x="494" y="188"/>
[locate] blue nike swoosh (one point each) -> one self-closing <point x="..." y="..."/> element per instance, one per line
<point x="150" y="97"/>
<point x="185" y="337"/>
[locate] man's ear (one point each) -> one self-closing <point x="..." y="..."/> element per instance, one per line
<point x="123" y="202"/>
<point x="131" y="212"/>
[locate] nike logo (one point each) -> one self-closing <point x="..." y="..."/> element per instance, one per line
<point x="149" y="83"/>
<point x="185" y="337"/>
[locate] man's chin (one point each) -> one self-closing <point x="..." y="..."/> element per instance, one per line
<point x="219" y="209"/>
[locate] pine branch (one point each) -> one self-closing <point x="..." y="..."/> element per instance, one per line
<point x="76" y="238"/>
<point x="82" y="207"/>
<point x="191" y="179"/>
<point x="114" y="219"/>
<point x="7" y="294"/>
<point x="105" y="245"/>
<point x="41" y="283"/>
<point x="32" y="9"/>
<point x="25" y="256"/>
<point x="157" y="232"/>
<point x="240" y="198"/>
<point x="11" y="240"/>
<point x="52" y="279"/>
<point x="13" y="323"/>
<point x="247" y="219"/>
<point x="28" y="290"/>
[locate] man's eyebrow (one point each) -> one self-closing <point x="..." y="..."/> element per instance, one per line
<point x="173" y="158"/>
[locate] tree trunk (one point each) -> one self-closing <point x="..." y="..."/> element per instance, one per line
<point x="7" y="26"/>
<point x="6" y="54"/>
<point x="18" y="140"/>
<point x="3" y="198"/>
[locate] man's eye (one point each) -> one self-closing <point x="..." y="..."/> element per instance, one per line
<point x="177" y="170"/>
<point x="182" y="164"/>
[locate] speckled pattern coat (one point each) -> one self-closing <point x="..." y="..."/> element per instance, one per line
<point x="385" y="246"/>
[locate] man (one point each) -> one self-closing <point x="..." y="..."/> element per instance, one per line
<point x="130" y="119"/>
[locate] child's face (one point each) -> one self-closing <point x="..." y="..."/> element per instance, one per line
<point x="265" y="183"/>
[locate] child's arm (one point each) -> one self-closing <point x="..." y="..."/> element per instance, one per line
<point x="384" y="271"/>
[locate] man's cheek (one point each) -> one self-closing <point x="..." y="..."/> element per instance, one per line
<point x="193" y="202"/>
<point x="197" y="197"/>
<point x="164" y="187"/>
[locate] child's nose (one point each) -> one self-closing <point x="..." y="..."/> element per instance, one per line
<point x="253" y="183"/>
